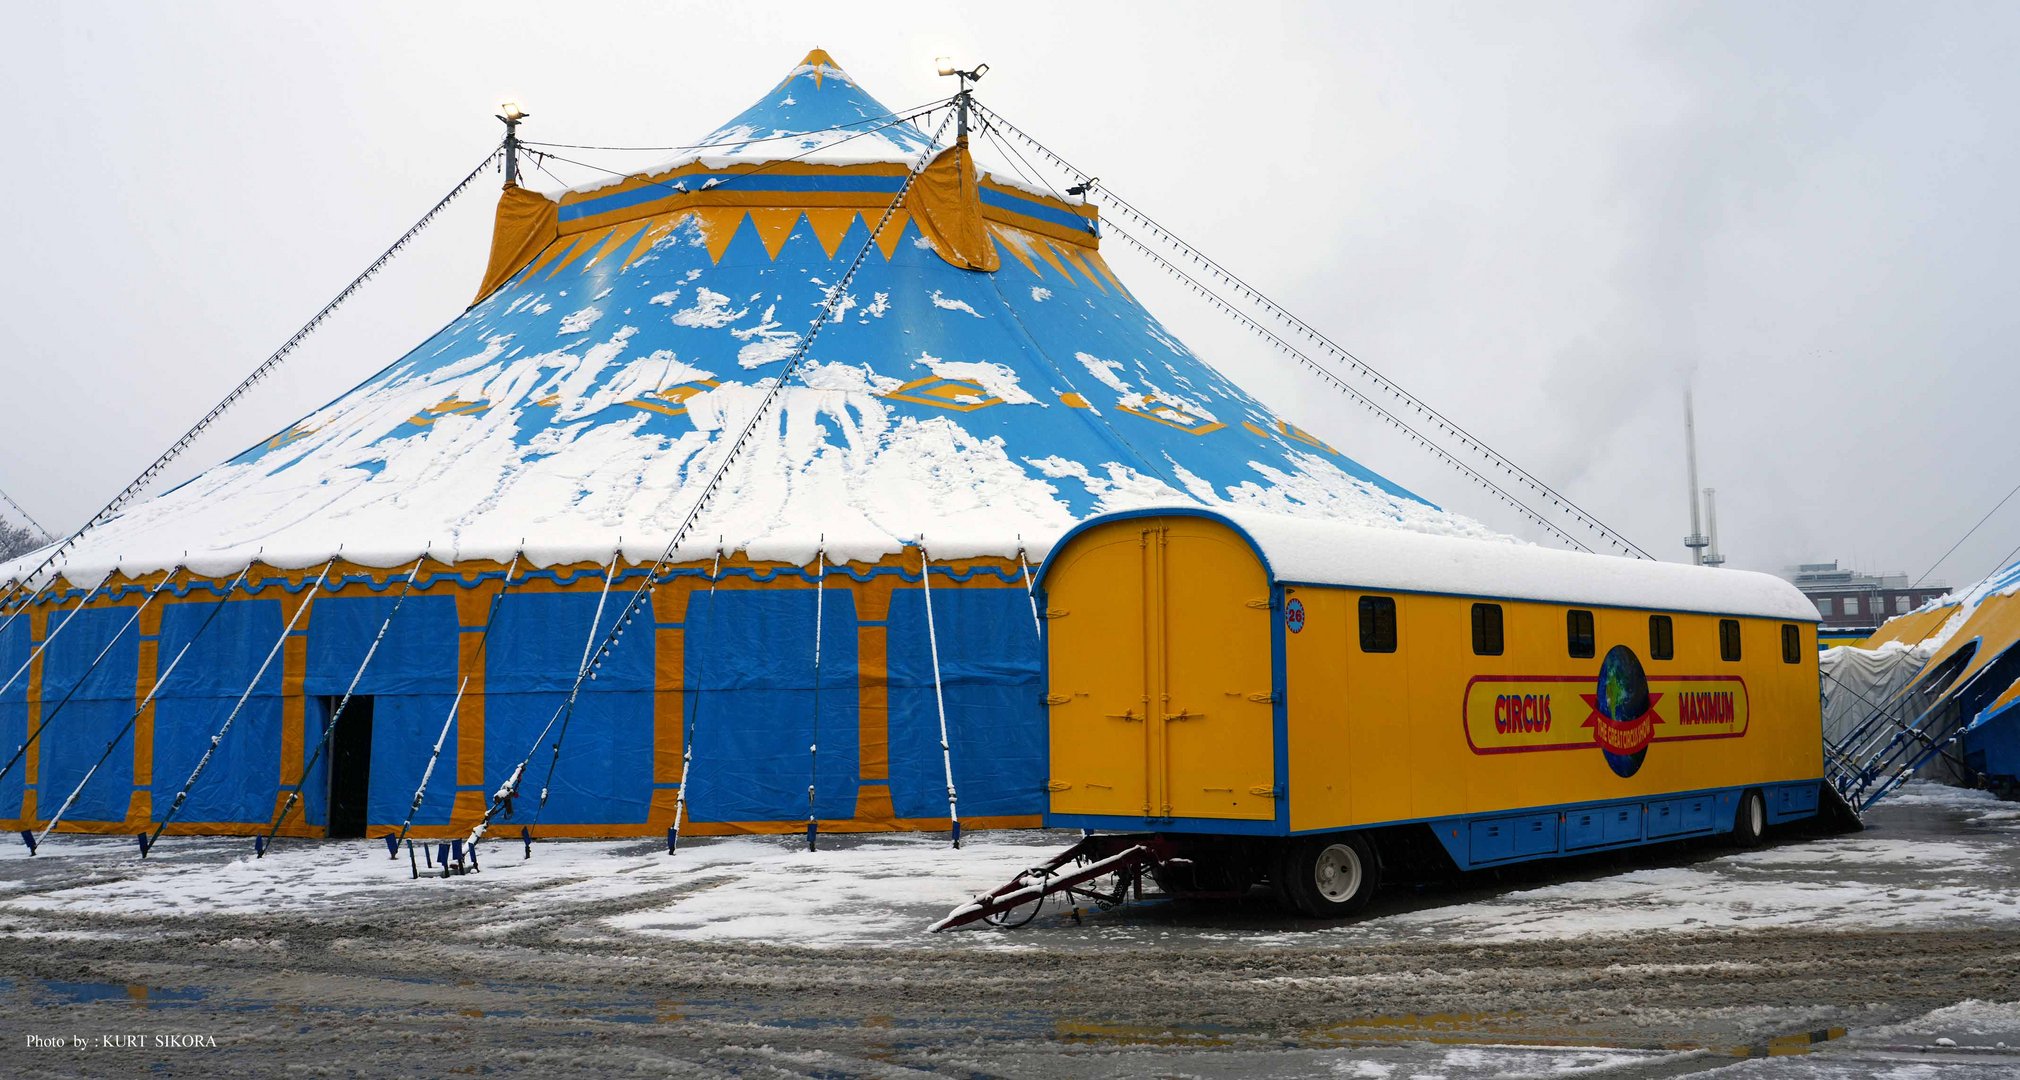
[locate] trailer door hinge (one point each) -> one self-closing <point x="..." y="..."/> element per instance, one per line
<point x="1056" y="785"/>
<point x="1262" y="604"/>
<point x="1261" y="699"/>
<point x="1055" y="613"/>
<point x="1056" y="699"/>
<point x="1185" y="714"/>
<point x="1265" y="792"/>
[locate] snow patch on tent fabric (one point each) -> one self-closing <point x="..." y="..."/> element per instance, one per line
<point x="996" y="380"/>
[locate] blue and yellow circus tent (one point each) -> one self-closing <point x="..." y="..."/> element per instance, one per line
<point x="986" y="382"/>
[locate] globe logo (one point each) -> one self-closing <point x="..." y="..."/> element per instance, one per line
<point x="1623" y="711"/>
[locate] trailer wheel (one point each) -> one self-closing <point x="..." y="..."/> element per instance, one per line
<point x="1750" y="823"/>
<point x="1330" y="877"/>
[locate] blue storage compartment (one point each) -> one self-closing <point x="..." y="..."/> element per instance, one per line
<point x="1512" y="838"/>
<point x="1585" y="828"/>
<point x="1665" y="818"/>
<point x="1622" y="824"/>
<point x="1794" y="800"/>
<point x="1696" y="813"/>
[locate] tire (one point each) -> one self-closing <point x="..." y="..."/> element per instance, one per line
<point x="1749" y="824"/>
<point x="1330" y="877"/>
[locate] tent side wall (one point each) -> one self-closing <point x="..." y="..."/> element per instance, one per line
<point x="734" y="670"/>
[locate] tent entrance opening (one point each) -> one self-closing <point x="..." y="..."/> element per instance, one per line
<point x="350" y="757"/>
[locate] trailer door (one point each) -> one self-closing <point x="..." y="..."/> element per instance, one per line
<point x="1160" y="682"/>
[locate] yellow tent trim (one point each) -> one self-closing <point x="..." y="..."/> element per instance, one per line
<point x="618" y="236"/>
<point x="654" y="233"/>
<point x="948" y="208"/>
<point x="527" y="223"/>
<point x="1911" y="628"/>
<point x="774" y="227"/>
<point x="1007" y="242"/>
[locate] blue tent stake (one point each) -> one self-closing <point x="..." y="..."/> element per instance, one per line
<point x="427" y="857"/>
<point x="392" y="846"/>
<point x="442" y="858"/>
<point x="142" y="837"/>
<point x="526" y="837"/>
<point x="473" y="856"/>
<point x="957" y="835"/>
<point x="259" y="847"/>
<point x="812" y="831"/>
<point x="412" y="870"/>
<point x="672" y="839"/>
<point x="28" y="837"/>
<point x="456" y="850"/>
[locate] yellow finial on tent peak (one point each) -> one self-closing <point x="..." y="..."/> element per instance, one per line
<point x="822" y="64"/>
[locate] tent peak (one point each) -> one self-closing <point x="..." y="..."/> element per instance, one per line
<point x="819" y="66"/>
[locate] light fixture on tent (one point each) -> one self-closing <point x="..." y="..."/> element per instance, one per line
<point x="510" y="112"/>
<point x="945" y="66"/>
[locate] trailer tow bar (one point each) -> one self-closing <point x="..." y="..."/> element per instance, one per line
<point x="1126" y="857"/>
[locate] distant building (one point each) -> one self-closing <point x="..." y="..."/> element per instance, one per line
<point x="1848" y="599"/>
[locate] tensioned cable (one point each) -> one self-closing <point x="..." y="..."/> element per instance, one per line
<point x="25" y="516"/>
<point x="1967" y="536"/>
<point x="829" y="306"/>
<point x="1249" y="292"/>
<point x="216" y="740"/>
<point x="1277" y="342"/>
<point x="159" y="681"/>
<point x="680" y="186"/>
<point x="477" y="664"/>
<point x="344" y="704"/>
<point x="900" y="113"/>
<point x="266" y="368"/>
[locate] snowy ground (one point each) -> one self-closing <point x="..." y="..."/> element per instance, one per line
<point x="754" y="956"/>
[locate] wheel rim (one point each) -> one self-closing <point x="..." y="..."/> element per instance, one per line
<point x="1756" y="815"/>
<point x="1337" y="872"/>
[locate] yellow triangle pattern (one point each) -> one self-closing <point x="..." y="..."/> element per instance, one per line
<point x="618" y="235"/>
<point x="774" y="227"/>
<point x="829" y="227"/>
<point x="661" y="228"/>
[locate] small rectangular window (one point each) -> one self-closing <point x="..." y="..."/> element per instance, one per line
<point x="1378" y="624"/>
<point x="1728" y="639"/>
<point x="1578" y="632"/>
<point x="1486" y="629"/>
<point x="1823" y="605"/>
<point x="1792" y="644"/>
<point x="1901" y="604"/>
<point x="1661" y="638"/>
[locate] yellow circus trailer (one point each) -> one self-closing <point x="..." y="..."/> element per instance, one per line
<point x="1309" y="703"/>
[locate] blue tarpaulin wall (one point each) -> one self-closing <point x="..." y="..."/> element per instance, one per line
<point x="243" y="777"/>
<point x="748" y="660"/>
<point x="412" y="682"/>
<point x="605" y="773"/>
<point x="99" y="705"/>
<point x="14" y="649"/>
<point x="989" y="674"/>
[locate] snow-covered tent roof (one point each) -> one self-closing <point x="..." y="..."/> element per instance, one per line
<point x="622" y="329"/>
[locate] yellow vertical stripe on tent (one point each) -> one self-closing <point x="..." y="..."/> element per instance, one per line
<point x="618" y="235"/>
<point x="774" y="227"/>
<point x="873" y="701"/>
<point x="294" y="711"/>
<point x="1072" y="255"/>
<point x="893" y="232"/>
<point x="830" y="225"/>
<point x="1010" y="244"/>
<point x="718" y="227"/>
<point x="140" y="806"/>
<point x="659" y="229"/>
<point x="588" y="240"/>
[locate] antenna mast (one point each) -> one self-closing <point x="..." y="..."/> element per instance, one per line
<point x="1696" y="541"/>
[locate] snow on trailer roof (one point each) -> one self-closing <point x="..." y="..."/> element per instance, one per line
<point x="1319" y="552"/>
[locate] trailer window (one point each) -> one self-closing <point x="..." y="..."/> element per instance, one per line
<point x="1792" y="644"/>
<point x="1487" y="630"/>
<point x="1578" y="632"/>
<point x="1728" y="639"/>
<point x="1661" y="638"/>
<point x="1378" y="624"/>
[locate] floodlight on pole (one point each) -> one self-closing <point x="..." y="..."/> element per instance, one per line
<point x="945" y="65"/>
<point x="510" y="112"/>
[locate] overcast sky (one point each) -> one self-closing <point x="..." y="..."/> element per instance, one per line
<point x="1543" y="219"/>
